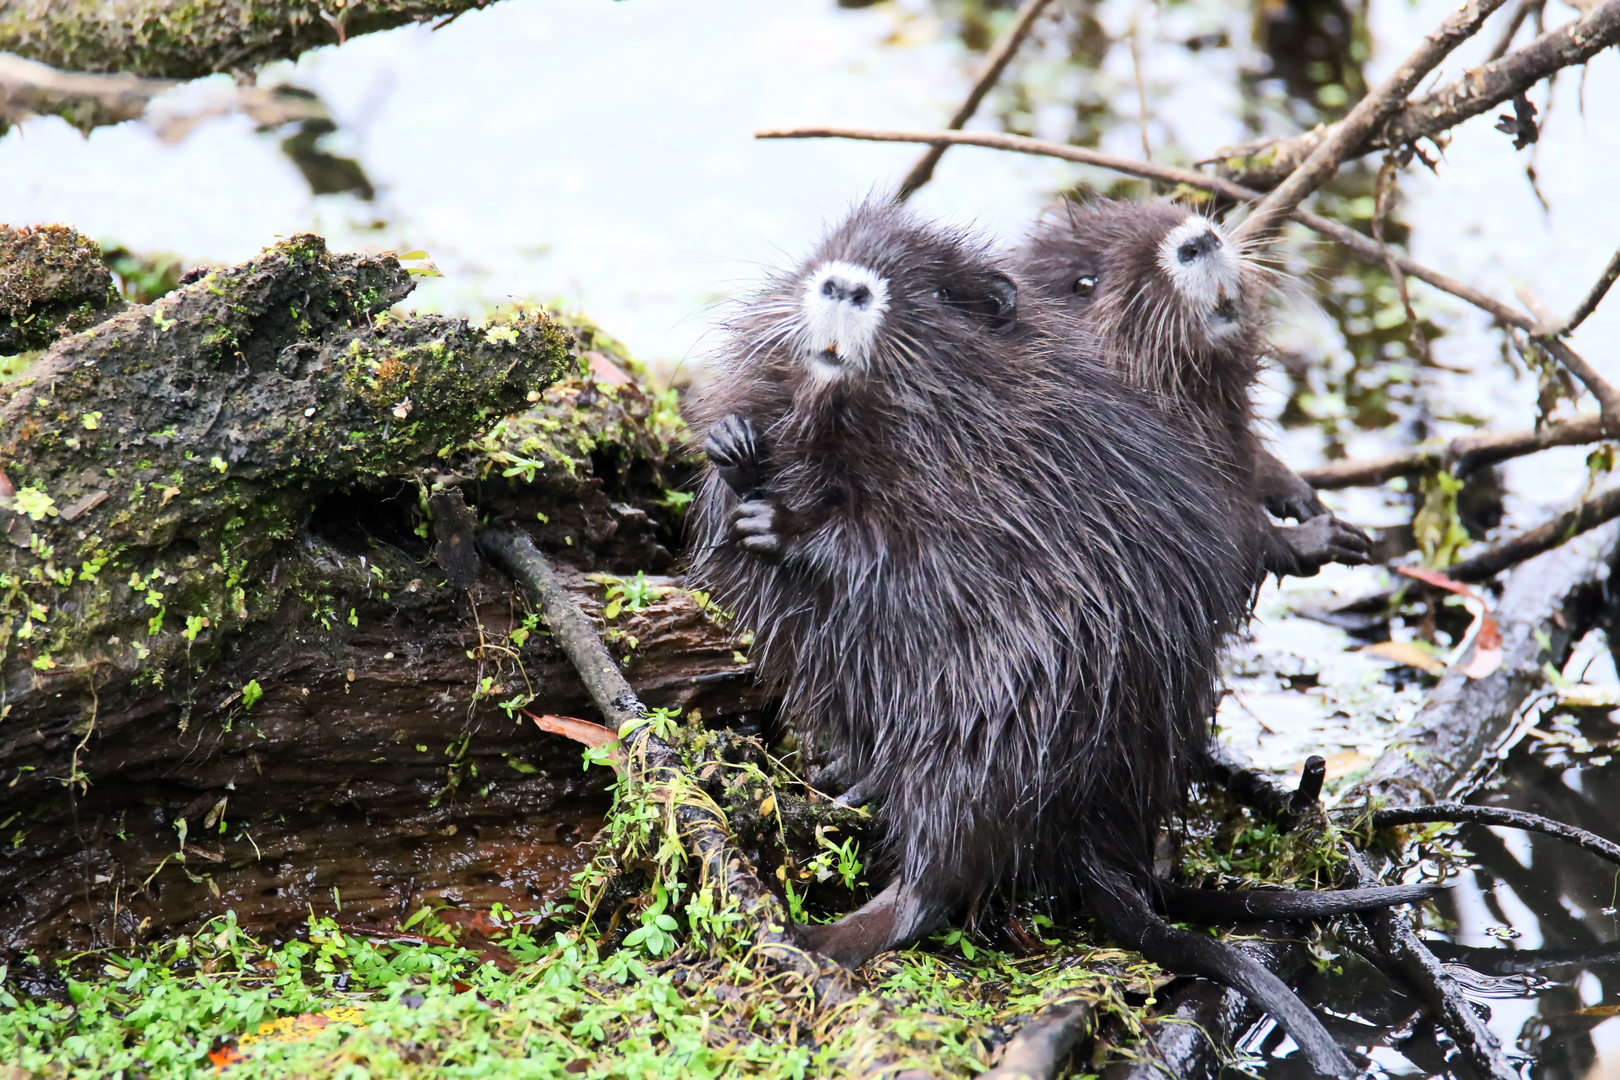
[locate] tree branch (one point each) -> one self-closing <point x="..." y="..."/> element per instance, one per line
<point x="1608" y="398"/>
<point x="1364" y="120"/>
<point x="1583" y="517"/>
<point x="1488" y="86"/>
<point x="1266" y="163"/>
<point x="995" y="64"/>
<point x="1460" y="456"/>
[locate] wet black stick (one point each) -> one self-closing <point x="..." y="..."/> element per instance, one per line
<point x="995" y="64"/>
<point x="1433" y="983"/>
<point x="1256" y="789"/>
<point x="1544" y="537"/>
<point x="1466" y="814"/>
<point x="1041" y="1046"/>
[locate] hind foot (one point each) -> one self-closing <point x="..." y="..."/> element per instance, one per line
<point x="894" y="917"/>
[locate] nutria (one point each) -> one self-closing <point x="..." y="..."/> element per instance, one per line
<point x="1179" y="311"/>
<point x="967" y="575"/>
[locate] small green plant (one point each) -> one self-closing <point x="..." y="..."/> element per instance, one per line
<point x="627" y="594"/>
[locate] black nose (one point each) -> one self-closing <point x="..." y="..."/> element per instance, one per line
<point x="1198" y="247"/>
<point x="858" y="295"/>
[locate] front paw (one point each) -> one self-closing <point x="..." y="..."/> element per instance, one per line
<point x="734" y="447"/>
<point x="1300" y="505"/>
<point x="1306" y="548"/>
<point x="756" y="527"/>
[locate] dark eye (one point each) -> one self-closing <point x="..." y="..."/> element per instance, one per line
<point x="1085" y="285"/>
<point x="942" y="294"/>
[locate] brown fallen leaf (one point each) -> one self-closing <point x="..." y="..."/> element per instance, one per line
<point x="1408" y="653"/>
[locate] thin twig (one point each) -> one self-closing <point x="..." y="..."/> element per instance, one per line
<point x="995" y="64"/>
<point x="1383" y="198"/>
<point x="1364" y="120"/>
<point x="1465" y="814"/>
<point x="1516" y="20"/>
<point x="1588" y="305"/>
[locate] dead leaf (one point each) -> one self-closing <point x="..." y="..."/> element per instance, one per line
<point x="1437" y="579"/>
<point x="1408" y="653"/>
<point x="581" y="731"/>
<point x="1487" y="649"/>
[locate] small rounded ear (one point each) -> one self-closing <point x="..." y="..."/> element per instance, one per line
<point x="1003" y="292"/>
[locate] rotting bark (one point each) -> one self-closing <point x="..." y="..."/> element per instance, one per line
<point x="261" y="649"/>
<point x="1558" y="595"/>
<point x="187" y="39"/>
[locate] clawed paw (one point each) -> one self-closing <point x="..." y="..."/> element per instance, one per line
<point x="733" y="445"/>
<point x="1322" y="540"/>
<point x="754" y="527"/>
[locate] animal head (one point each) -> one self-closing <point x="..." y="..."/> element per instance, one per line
<point x="1164" y="289"/>
<point x="885" y="294"/>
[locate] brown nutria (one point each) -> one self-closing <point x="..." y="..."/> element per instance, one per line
<point x="966" y="574"/>
<point x="1179" y="311"/>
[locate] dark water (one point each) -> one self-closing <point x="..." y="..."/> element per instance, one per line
<point x="1531" y="928"/>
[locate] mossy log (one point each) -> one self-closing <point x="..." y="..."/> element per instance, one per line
<point x="187" y="39"/>
<point x="231" y="675"/>
<point x="52" y="283"/>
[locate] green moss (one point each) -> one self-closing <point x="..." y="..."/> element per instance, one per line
<point x="233" y="444"/>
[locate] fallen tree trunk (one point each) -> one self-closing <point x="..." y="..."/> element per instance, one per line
<point x="187" y="39"/>
<point x="1548" y="604"/>
<point x="231" y="676"/>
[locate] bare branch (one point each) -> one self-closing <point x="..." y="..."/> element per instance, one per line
<point x="1365" y="119"/>
<point x="1266" y="163"/>
<point x="1460" y="456"/>
<point x="1020" y="144"/>
<point x="1584" y="517"/>
<point x="1588" y="305"/>
<point x="995" y="64"/>
<point x="1486" y="87"/>
<point x="1365" y="246"/>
